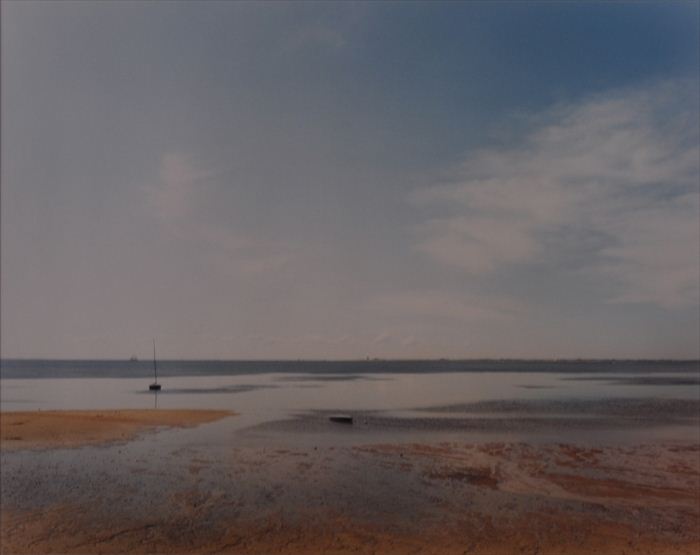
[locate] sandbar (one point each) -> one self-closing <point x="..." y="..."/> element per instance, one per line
<point x="74" y="428"/>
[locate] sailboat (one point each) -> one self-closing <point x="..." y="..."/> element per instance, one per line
<point x="155" y="386"/>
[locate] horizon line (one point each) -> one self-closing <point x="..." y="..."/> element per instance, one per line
<point x="367" y="359"/>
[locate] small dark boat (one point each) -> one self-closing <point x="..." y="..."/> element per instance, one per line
<point x="341" y="418"/>
<point x="155" y="386"/>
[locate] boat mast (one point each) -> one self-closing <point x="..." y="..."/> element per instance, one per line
<point x="155" y="368"/>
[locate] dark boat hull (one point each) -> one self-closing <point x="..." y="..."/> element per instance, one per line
<point x="341" y="418"/>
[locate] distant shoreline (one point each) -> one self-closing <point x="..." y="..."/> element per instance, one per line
<point x="359" y="360"/>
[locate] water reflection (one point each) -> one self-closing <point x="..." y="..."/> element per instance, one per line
<point x="269" y="397"/>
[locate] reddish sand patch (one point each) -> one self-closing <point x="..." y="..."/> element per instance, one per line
<point x="591" y="487"/>
<point x="476" y="534"/>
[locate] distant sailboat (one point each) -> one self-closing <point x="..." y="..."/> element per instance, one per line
<point x="155" y="386"/>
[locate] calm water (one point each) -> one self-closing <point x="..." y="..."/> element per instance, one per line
<point x="387" y="397"/>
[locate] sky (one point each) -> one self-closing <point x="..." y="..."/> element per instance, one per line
<point x="349" y="180"/>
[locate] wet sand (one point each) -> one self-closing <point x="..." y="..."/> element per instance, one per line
<point x="445" y="498"/>
<point x="599" y="419"/>
<point x="308" y="486"/>
<point x="45" y="429"/>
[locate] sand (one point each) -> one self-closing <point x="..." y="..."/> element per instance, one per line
<point x="393" y="498"/>
<point x="47" y="429"/>
<point x="534" y="534"/>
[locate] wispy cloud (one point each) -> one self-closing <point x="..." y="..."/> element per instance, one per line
<point x="656" y="252"/>
<point x="177" y="199"/>
<point x="175" y="193"/>
<point x="450" y="307"/>
<point x="621" y="166"/>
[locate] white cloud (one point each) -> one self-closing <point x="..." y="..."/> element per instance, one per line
<point x="623" y="166"/>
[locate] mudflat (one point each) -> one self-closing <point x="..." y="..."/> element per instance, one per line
<point x="44" y="429"/>
<point x="432" y="481"/>
<point x="444" y="498"/>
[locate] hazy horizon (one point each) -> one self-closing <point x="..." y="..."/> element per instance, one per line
<point x="365" y="359"/>
<point x="336" y="181"/>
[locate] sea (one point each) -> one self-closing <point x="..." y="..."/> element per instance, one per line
<point x="421" y="400"/>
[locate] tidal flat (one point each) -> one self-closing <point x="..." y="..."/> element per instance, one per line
<point x="447" y="463"/>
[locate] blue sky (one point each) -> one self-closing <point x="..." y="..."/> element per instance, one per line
<point x="341" y="180"/>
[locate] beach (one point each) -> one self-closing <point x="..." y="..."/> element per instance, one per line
<point x="562" y="466"/>
<point x="402" y="498"/>
<point x="59" y="429"/>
